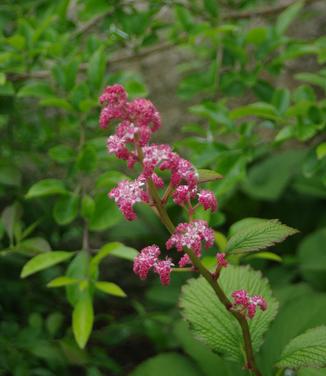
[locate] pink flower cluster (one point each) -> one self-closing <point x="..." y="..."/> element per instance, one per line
<point x="147" y="259"/>
<point x="136" y="121"/>
<point x="248" y="304"/>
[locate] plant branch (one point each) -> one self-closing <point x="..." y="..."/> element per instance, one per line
<point x="210" y="278"/>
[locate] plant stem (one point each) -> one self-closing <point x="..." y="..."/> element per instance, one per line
<point x="250" y="359"/>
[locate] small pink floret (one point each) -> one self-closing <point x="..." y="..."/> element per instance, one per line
<point x="190" y="235"/>
<point x="145" y="260"/>
<point x="127" y="194"/>
<point x="208" y="200"/>
<point x="183" y="194"/>
<point x="221" y="260"/>
<point x="244" y="302"/>
<point x="163" y="269"/>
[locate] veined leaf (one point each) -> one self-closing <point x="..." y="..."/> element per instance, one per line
<point x="259" y="236"/>
<point x="110" y="288"/>
<point x="82" y="319"/>
<point x="306" y="350"/>
<point x="211" y="322"/>
<point x="44" y="261"/>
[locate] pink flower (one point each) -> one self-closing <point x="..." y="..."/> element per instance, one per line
<point x="117" y="146"/>
<point x="145" y="260"/>
<point x="163" y="269"/>
<point x="154" y="155"/>
<point x="108" y="114"/>
<point x="244" y="302"/>
<point x="185" y="260"/>
<point x="127" y="194"/>
<point x="183" y="194"/>
<point x="144" y="114"/>
<point x="240" y="297"/>
<point x="184" y="171"/>
<point x="190" y="235"/>
<point x="221" y="260"/>
<point x="148" y="259"/>
<point x="114" y="95"/>
<point x="208" y="200"/>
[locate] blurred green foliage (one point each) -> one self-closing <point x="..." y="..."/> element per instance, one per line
<point x="255" y="120"/>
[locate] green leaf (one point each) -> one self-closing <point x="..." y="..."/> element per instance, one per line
<point x="37" y="89"/>
<point x="96" y="69"/>
<point x="77" y="269"/>
<point x="268" y="179"/>
<point x="10" y="175"/>
<point x="33" y="245"/>
<point x="172" y="364"/>
<point x="321" y="150"/>
<point x="46" y="187"/>
<point x="259" y="109"/>
<point x="110" y="288"/>
<point x="211" y="322"/>
<point x="265" y="256"/>
<point x="115" y="249"/>
<point x="66" y="208"/>
<point x="208" y="175"/>
<point x="62" y="281"/>
<point x="106" y="214"/>
<point x="211" y="7"/>
<point x="87" y="158"/>
<point x="9" y="217"/>
<point x="44" y="261"/>
<point x="306" y="350"/>
<point x="56" y="102"/>
<point x="82" y="319"/>
<point x="87" y="207"/>
<point x="287" y="16"/>
<point x="259" y="236"/>
<point x="62" y="153"/>
<point x="244" y="224"/>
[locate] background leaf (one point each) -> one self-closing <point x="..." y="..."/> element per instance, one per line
<point x="306" y="350"/>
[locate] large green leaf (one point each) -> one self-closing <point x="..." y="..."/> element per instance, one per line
<point x="210" y="320"/>
<point x="259" y="236"/>
<point x="78" y="269"/>
<point x="46" y="187"/>
<point x="172" y="364"/>
<point x="44" y="261"/>
<point x="82" y="319"/>
<point x="306" y="350"/>
<point x="259" y="109"/>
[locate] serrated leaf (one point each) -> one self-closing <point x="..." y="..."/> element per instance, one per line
<point x="110" y="288"/>
<point x="259" y="236"/>
<point x="245" y="223"/>
<point x="211" y="322"/>
<point x="44" y="261"/>
<point x="46" y="187"/>
<point x="62" y="281"/>
<point x="82" y="319"/>
<point x="306" y="350"/>
<point x="208" y="175"/>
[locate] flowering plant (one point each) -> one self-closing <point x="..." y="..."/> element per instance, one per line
<point x="137" y="121"/>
